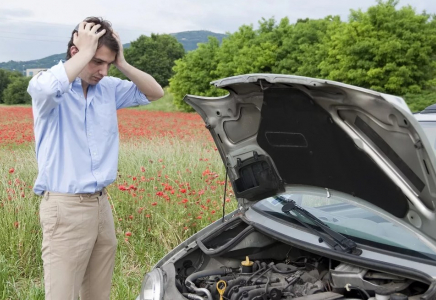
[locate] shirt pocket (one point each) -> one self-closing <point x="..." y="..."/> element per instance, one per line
<point x="107" y="115"/>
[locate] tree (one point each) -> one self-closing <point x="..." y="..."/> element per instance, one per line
<point x="252" y="51"/>
<point x="245" y="51"/>
<point x="155" y="55"/>
<point x="385" y="49"/>
<point x="16" y="92"/>
<point x="302" y="50"/>
<point x="6" y="77"/>
<point x="4" y="81"/>
<point x="194" y="72"/>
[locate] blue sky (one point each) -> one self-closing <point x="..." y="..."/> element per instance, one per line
<point x="35" y="29"/>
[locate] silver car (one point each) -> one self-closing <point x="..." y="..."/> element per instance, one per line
<point x="427" y="119"/>
<point x="336" y="196"/>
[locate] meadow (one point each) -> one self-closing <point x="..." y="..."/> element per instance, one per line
<point x="170" y="184"/>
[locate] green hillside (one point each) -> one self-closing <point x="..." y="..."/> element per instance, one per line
<point x="189" y="40"/>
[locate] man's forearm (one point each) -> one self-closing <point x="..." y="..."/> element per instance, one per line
<point x="145" y="83"/>
<point x="77" y="63"/>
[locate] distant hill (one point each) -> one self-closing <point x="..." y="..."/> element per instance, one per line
<point x="189" y="40"/>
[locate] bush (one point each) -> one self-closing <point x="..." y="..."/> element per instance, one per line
<point x="194" y="73"/>
<point x="16" y="92"/>
<point x="418" y="102"/>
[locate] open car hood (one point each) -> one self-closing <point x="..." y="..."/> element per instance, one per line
<point x="272" y="130"/>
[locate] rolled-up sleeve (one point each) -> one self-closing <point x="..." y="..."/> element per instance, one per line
<point x="127" y="94"/>
<point x="47" y="88"/>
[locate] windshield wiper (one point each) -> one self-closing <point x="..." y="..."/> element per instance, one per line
<point x="332" y="238"/>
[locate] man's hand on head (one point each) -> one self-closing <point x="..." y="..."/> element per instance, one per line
<point x="86" y="39"/>
<point x="120" y="61"/>
<point x="145" y="83"/>
<point x="85" y="42"/>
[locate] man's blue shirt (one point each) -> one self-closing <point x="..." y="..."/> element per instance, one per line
<point x="77" y="137"/>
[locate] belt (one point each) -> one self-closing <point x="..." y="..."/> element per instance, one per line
<point x="81" y="195"/>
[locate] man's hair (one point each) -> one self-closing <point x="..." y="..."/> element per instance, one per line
<point x="106" y="40"/>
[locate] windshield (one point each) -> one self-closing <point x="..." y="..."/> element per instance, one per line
<point x="430" y="130"/>
<point x="357" y="223"/>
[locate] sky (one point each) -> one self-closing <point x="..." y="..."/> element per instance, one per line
<point x="32" y="29"/>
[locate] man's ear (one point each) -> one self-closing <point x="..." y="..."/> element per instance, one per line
<point x="73" y="50"/>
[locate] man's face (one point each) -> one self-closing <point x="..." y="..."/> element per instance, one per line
<point x="99" y="65"/>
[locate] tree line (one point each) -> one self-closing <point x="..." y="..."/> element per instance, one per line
<point x="384" y="48"/>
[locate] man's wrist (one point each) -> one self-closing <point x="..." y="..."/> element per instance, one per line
<point x="122" y="66"/>
<point x="85" y="55"/>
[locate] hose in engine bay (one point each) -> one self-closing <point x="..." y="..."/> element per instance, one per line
<point x="190" y="281"/>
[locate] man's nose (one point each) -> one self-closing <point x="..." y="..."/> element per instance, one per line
<point x="104" y="70"/>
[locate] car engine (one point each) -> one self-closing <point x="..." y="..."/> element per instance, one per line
<point x="261" y="280"/>
<point x="257" y="267"/>
<point x="305" y="278"/>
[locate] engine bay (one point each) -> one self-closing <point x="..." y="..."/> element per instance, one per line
<point x="241" y="263"/>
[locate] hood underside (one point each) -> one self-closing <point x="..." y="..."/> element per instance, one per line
<point x="273" y="130"/>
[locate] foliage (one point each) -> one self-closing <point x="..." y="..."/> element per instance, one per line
<point x="251" y="51"/>
<point x="16" y="91"/>
<point x="302" y="50"/>
<point x="164" y="104"/>
<point x="272" y="48"/>
<point x="4" y="81"/>
<point x="5" y="78"/>
<point x="418" y="102"/>
<point x="194" y="73"/>
<point x="155" y="55"/>
<point x="385" y="49"/>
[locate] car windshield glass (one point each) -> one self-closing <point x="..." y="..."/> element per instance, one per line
<point x="355" y="222"/>
<point x="430" y="131"/>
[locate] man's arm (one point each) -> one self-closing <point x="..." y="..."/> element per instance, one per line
<point x="145" y="83"/>
<point x="46" y="89"/>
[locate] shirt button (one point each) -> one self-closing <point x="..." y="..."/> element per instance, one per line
<point x="94" y="153"/>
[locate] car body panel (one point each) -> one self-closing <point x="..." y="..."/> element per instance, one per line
<point x="273" y="130"/>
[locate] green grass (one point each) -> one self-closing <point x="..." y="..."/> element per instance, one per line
<point x="15" y="105"/>
<point x="164" y="104"/>
<point x="169" y="165"/>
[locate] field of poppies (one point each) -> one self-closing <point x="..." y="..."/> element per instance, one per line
<point x="170" y="185"/>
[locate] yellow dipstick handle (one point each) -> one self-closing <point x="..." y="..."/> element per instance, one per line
<point x="221" y="288"/>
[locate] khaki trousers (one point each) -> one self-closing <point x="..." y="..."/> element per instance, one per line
<point x="78" y="245"/>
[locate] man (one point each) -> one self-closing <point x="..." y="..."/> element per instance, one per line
<point x="76" y="133"/>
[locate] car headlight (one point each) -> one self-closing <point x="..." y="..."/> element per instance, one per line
<point x="152" y="286"/>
